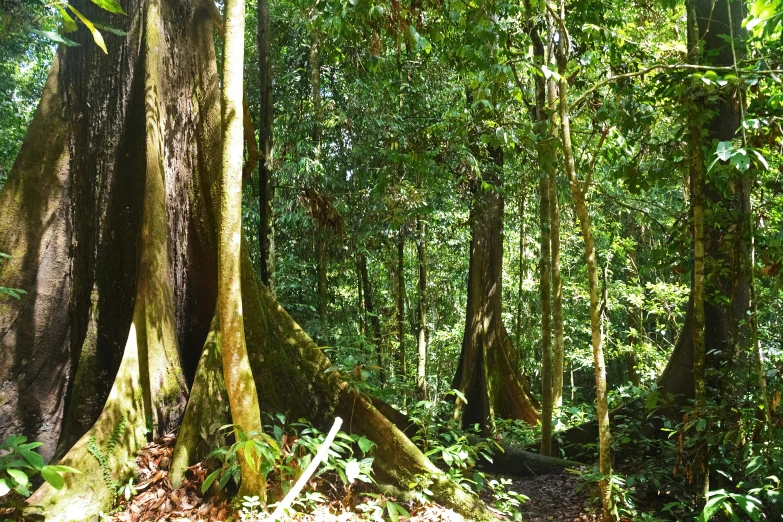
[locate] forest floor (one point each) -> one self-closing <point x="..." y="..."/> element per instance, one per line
<point x="553" y="498"/>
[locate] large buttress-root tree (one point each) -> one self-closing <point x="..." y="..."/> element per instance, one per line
<point x="111" y="219"/>
<point x="486" y="374"/>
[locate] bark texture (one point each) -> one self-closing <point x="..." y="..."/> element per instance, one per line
<point x="115" y="189"/>
<point x="726" y="223"/>
<point x="266" y="119"/>
<point x="238" y="376"/>
<point x="74" y="206"/>
<point x="138" y="151"/>
<point x="486" y="375"/>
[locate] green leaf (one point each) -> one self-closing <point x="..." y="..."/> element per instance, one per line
<point x="4" y="487"/>
<point x="749" y="505"/>
<point x="392" y="510"/>
<point x="741" y="160"/>
<point x="113" y="30"/>
<point x="63" y="469"/>
<point x="365" y="444"/>
<point x="460" y="395"/>
<point x="96" y="35"/>
<point x="19" y="476"/>
<point x="249" y="449"/>
<point x="33" y="458"/>
<point x="209" y="480"/>
<point x="52" y="477"/>
<point x="725" y="150"/>
<point x="69" y="25"/>
<point x="53" y="36"/>
<point x="652" y="400"/>
<point x="713" y="505"/>
<point x="109" y="5"/>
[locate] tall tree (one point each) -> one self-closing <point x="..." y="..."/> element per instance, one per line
<point x="266" y="231"/>
<point x="726" y="215"/>
<point x="579" y="189"/>
<point x="238" y="376"/>
<point x="485" y="374"/>
<point x="421" y="313"/>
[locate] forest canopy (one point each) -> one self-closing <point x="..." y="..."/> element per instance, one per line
<point x="418" y="259"/>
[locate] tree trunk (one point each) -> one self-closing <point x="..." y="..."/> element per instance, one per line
<point x="266" y="232"/>
<point x="401" y="303"/>
<point x="579" y="190"/>
<point x="485" y="375"/>
<point x="237" y="374"/>
<point x="421" y="340"/>
<point x="545" y="148"/>
<point x="726" y="255"/>
<point x="109" y="213"/>
<point x="157" y="205"/>
<point x="558" y="347"/>
<point x="374" y="320"/>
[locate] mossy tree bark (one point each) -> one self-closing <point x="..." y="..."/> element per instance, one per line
<point x="112" y="214"/>
<point x="579" y="189"/>
<point x="485" y="374"/>
<point x="121" y="185"/>
<point x="546" y="135"/>
<point x="238" y="376"/>
<point x="726" y="208"/>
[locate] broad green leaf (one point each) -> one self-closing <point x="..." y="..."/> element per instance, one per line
<point x="54" y="36"/>
<point x="4" y="487"/>
<point x="352" y="470"/>
<point x="96" y="35"/>
<point x="749" y="505"/>
<point x="365" y="444"/>
<point x="209" y="480"/>
<point x="19" y="476"/>
<point x="652" y="400"/>
<point x="109" y="5"/>
<point x="33" y="458"/>
<point x="69" y="25"/>
<point x="392" y="510"/>
<point x="52" y="477"/>
<point x="725" y="150"/>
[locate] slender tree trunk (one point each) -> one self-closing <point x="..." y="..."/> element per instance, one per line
<point x="237" y="373"/>
<point x="360" y="301"/>
<point x="401" y="303"/>
<point x="522" y="274"/>
<point x="558" y="348"/>
<point x="374" y="320"/>
<point x="266" y="231"/>
<point x="545" y="145"/>
<point x="421" y="342"/>
<point x="579" y="190"/>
